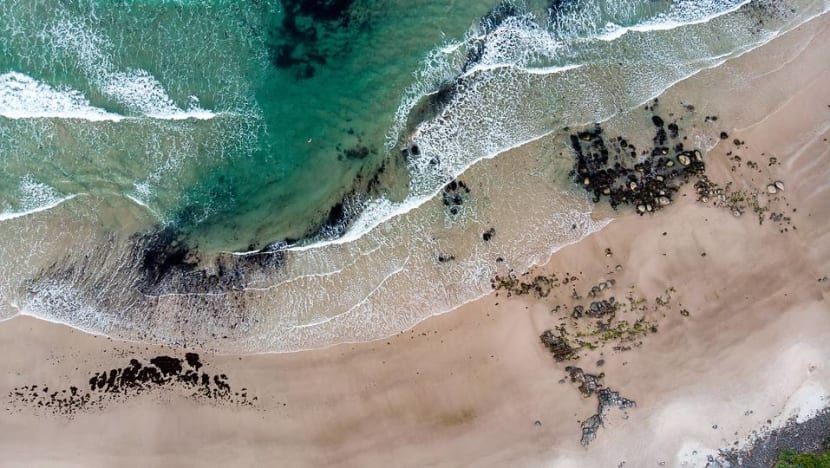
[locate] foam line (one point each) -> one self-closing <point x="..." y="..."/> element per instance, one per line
<point x="19" y="214"/>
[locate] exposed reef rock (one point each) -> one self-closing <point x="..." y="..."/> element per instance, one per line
<point x="612" y="168"/>
<point x="591" y="384"/>
<point x="558" y="344"/>
<point x="811" y="435"/>
<point x="130" y="381"/>
<point x="454" y="195"/>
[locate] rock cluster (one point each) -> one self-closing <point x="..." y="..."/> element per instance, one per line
<point x="166" y="264"/>
<point x="454" y="194"/>
<point x="597" y="309"/>
<point x="591" y="384"/>
<point x="613" y="169"/>
<point x="558" y="345"/>
<point x="134" y="379"/>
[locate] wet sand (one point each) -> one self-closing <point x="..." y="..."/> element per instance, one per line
<point x="468" y="387"/>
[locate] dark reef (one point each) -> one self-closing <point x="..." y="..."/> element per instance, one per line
<point x="612" y="168"/>
<point x="589" y="385"/>
<point x="454" y="195"/>
<point x="304" y="38"/>
<point x="434" y="103"/>
<point x="167" y="263"/>
<point x="132" y="380"/>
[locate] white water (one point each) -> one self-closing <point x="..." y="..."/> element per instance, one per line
<point x="136" y="89"/>
<point x="34" y="197"/>
<point x="22" y="97"/>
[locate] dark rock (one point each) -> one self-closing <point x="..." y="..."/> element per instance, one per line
<point x="558" y="345"/>
<point x="589" y="429"/>
<point x="134" y="379"/>
<point x="606" y="171"/>
<point x="601" y="308"/>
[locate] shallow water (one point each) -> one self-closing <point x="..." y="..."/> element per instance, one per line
<point x="244" y="135"/>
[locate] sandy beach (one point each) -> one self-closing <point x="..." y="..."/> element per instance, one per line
<point x="737" y="342"/>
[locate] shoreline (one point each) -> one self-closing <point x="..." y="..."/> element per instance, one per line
<point x="228" y="273"/>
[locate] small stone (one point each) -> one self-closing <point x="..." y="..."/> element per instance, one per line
<point x="779" y="185"/>
<point x="586" y="182"/>
<point x="698" y="156"/>
<point x="663" y="201"/>
<point x="641" y="208"/>
<point x="488" y="234"/>
<point x="684" y="160"/>
<point x="669" y="163"/>
<point x="632" y="185"/>
<point x="771" y="188"/>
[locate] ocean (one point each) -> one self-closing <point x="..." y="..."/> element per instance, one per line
<point x="264" y="176"/>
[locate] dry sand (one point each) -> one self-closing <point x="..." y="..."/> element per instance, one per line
<point x="467" y="387"/>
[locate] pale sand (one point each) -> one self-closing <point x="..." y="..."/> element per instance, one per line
<point x="466" y="387"/>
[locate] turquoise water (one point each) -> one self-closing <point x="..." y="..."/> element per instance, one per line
<point x="299" y="102"/>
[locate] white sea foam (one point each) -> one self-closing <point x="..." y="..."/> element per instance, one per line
<point x="22" y="97"/>
<point x="136" y="89"/>
<point x="34" y="197"/>
<point x="144" y="94"/>
<point x="681" y="14"/>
